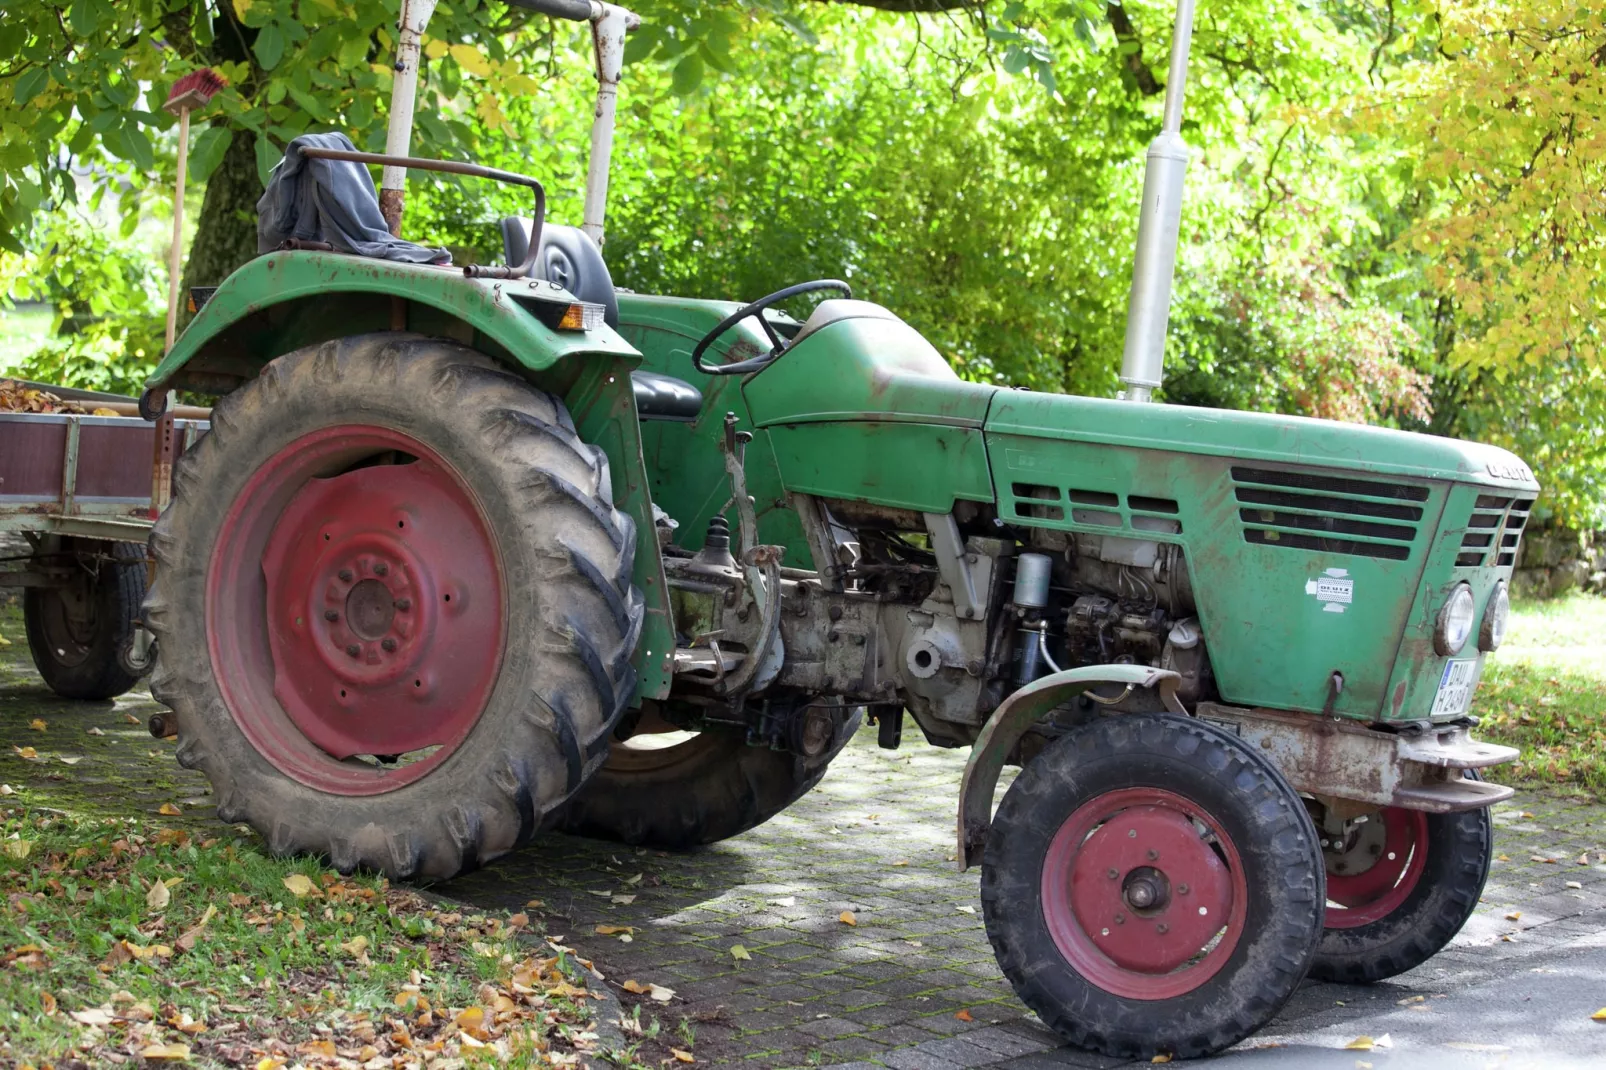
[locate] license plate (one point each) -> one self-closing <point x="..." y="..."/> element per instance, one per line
<point x="1455" y="689"/>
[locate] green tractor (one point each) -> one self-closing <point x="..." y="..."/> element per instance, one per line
<point x="471" y="553"/>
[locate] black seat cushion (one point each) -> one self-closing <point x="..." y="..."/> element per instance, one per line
<point x="663" y="397"/>
<point x="567" y="257"/>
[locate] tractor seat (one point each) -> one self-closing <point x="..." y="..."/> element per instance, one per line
<point x="571" y="259"/>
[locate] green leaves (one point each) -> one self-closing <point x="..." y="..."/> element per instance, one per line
<point x="207" y="153"/>
<point x="269" y="46"/>
<point x="688" y="74"/>
<point x="28" y="85"/>
<point x="268" y="155"/>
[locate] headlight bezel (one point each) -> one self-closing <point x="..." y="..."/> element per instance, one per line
<point x="1496" y="619"/>
<point x="1444" y="640"/>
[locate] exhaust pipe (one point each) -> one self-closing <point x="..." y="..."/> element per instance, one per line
<point x="1159" y="223"/>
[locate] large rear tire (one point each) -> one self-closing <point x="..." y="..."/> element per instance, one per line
<point x="702" y="789"/>
<point x="1152" y="886"/>
<point x="393" y="606"/>
<point x="75" y="631"/>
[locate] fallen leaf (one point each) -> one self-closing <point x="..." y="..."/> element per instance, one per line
<point x="847" y="918"/>
<point x="967" y="910"/>
<point x="1583" y="859"/>
<point x="25" y="752"/>
<point x="18" y="849"/>
<point x="1384" y="1041"/>
<point x="47" y="1003"/>
<point x="98" y="1016"/>
<point x="614" y="930"/>
<point x="187" y="941"/>
<point x="788" y="901"/>
<point x="1573" y="884"/>
<point x="325" y="1048"/>
<point x="1541" y="858"/>
<point x="681" y="1056"/>
<point x="1161" y="1058"/>
<point x="1408" y="1000"/>
<point x="965" y="1016"/>
<point x="901" y="862"/>
<point x="1515" y="915"/>
<point x="130" y="718"/>
<point x="640" y="989"/>
<point x="660" y="993"/>
<point x="7" y="789"/>
<point x="622" y="900"/>
<point x="69" y="759"/>
<point x="37" y="725"/>
<point x="533" y="904"/>
<point x="518" y="921"/>
<point x="97" y="731"/>
<point x="169" y="810"/>
<point x="356" y="945"/>
<point x="740" y="953"/>
<point x="1361" y="1043"/>
<point x="1598" y="1016"/>
<point x="300" y="886"/>
<point x="471" y="1019"/>
<point x="158" y="896"/>
<point x="168" y="1053"/>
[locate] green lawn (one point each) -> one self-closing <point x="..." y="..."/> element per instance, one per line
<point x="1545" y="691"/>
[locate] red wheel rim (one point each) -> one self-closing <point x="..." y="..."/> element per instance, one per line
<point x="355" y="609"/>
<point x="1358" y="896"/>
<point x="1144" y="893"/>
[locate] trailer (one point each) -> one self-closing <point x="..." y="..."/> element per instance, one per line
<point x="77" y="489"/>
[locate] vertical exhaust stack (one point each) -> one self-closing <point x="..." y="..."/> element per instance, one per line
<point x="1159" y="224"/>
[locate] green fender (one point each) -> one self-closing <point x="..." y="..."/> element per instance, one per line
<point x="1014" y="716"/>
<point x="286" y="300"/>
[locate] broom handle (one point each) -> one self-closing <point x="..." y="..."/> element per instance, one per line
<point x="178" y="226"/>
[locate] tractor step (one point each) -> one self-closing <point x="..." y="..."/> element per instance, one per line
<point x="1451" y="794"/>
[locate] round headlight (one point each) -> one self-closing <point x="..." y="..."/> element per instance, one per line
<point x="1496" y="615"/>
<point x="1454" y="627"/>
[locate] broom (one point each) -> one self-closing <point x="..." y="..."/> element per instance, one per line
<point x="189" y="92"/>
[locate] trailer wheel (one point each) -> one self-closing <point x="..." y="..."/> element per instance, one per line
<point x="76" y="631"/>
<point x="1152" y="886"/>
<point x="1399" y="887"/>
<point x="393" y="606"/>
<point x="690" y="789"/>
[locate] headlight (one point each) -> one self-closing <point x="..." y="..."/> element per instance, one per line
<point x="1454" y="627"/>
<point x="1496" y="615"/>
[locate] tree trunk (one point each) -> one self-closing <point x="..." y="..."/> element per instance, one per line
<point x="226" y="234"/>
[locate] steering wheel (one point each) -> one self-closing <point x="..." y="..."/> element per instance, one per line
<point x="777" y="343"/>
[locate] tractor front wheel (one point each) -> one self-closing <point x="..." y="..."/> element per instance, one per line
<point x="393" y="606"/>
<point x="1400" y="885"/>
<point x="1152" y="887"/>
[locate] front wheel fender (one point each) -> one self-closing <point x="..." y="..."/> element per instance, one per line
<point x="1014" y="716"/>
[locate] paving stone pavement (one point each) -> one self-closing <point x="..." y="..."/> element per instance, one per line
<point x="874" y="839"/>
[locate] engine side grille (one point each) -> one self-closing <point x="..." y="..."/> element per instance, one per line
<point x="1494" y="531"/>
<point x="1343" y="515"/>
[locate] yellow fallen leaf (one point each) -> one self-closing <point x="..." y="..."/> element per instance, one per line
<point x="37" y="724"/>
<point x="1515" y="915"/>
<point x="682" y="1056"/>
<point x="740" y="954"/>
<point x="323" y="1047"/>
<point x="169" y="810"/>
<point x="167" y="1053"/>
<point x="1598" y="1016"/>
<point x="1360" y="1043"/>
<point x="25" y="752"/>
<point x="635" y="986"/>
<point x="964" y="1016"/>
<point x="270" y="1062"/>
<point x="18" y="849"/>
<point x="4" y="641"/>
<point x="130" y="718"/>
<point x="47" y="1003"/>
<point x="1161" y="1058"/>
<point x="355" y="946"/>
<point x="471" y="1019"/>
<point x="300" y="886"/>
<point x="158" y="896"/>
<point x="614" y="930"/>
<point x="534" y="904"/>
<point x="847" y="918"/>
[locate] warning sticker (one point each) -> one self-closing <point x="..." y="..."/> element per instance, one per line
<point x="1334" y="589"/>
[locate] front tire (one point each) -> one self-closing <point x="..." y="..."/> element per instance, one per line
<point x="393" y="606"/>
<point x="76" y="631"/>
<point x="1400" y="887"/>
<point x="1152" y="886"/>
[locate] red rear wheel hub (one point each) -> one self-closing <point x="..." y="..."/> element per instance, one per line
<point x="1144" y="893"/>
<point x="1372" y="876"/>
<point x="355" y="609"/>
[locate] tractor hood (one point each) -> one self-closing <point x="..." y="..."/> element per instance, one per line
<point x="1258" y="436"/>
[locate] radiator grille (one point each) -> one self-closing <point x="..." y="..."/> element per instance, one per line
<point x="1342" y="515"/>
<point x="1494" y="531"/>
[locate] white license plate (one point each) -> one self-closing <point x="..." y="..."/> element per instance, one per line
<point x="1455" y="688"/>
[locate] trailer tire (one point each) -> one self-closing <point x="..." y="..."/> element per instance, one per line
<point x="1152" y="887"/>
<point x="708" y="788"/>
<point x="78" y="658"/>
<point x="339" y="503"/>
<point x="1402" y="926"/>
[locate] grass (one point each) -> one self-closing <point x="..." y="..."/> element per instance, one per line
<point x="1545" y="692"/>
<point x="121" y="942"/>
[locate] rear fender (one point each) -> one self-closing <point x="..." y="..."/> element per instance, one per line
<point x="1010" y="722"/>
<point x="284" y="301"/>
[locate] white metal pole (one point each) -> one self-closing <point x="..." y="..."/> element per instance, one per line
<point x="608" y="29"/>
<point x="415" y="15"/>
<point x="1159" y="227"/>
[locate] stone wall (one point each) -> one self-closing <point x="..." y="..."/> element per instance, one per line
<point x="1555" y="561"/>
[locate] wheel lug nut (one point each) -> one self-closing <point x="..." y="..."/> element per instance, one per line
<point x="388" y="643"/>
<point x="345" y="574"/>
<point x="404" y="604"/>
<point x="380" y="568"/>
<point x="353" y="650"/>
<point x="330" y="615"/>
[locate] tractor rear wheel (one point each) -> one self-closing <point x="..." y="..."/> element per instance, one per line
<point x="1399" y="887"/>
<point x="393" y="606"/>
<point x="76" y="630"/>
<point x="1152" y="887"/>
<point x="686" y="789"/>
